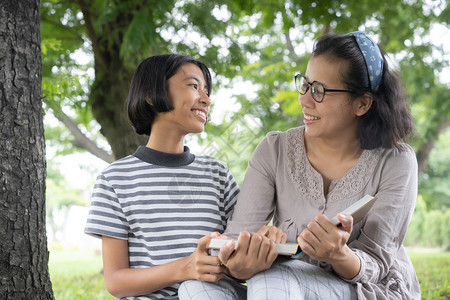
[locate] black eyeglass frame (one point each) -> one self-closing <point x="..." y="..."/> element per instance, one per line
<point x="310" y="84"/>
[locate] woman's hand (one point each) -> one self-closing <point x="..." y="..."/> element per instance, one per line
<point x="273" y="233"/>
<point x="199" y="265"/>
<point x="323" y="241"/>
<point x="254" y="253"/>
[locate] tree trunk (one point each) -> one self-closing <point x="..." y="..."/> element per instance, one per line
<point x="423" y="154"/>
<point x="23" y="251"/>
<point x="108" y="95"/>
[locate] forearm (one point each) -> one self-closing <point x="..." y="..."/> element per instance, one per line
<point x="348" y="266"/>
<point x="132" y="282"/>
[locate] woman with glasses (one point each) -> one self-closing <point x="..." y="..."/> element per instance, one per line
<point x="356" y="118"/>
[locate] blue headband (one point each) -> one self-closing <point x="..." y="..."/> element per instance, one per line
<point x="372" y="57"/>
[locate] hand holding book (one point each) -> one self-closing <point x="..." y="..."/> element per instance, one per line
<point x="357" y="210"/>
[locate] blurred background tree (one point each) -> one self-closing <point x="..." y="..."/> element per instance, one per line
<point x="258" y="45"/>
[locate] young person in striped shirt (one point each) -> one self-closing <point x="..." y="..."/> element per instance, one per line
<point x="156" y="210"/>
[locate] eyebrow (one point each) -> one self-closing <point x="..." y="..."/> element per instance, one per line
<point x="196" y="79"/>
<point x="192" y="77"/>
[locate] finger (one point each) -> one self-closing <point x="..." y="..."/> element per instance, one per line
<point x="314" y="232"/>
<point x="346" y="222"/>
<point x="210" y="277"/>
<point x="226" y="251"/>
<point x="264" y="249"/>
<point x="264" y="230"/>
<point x="305" y="246"/>
<point x="209" y="260"/>
<point x="243" y="242"/>
<point x="283" y="237"/>
<point x="203" y="242"/>
<point x="272" y="255"/>
<point x="272" y="234"/>
<point x="255" y="244"/>
<point x="208" y="269"/>
<point x="324" y="222"/>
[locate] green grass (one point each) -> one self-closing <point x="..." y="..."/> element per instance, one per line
<point x="433" y="272"/>
<point x="75" y="274"/>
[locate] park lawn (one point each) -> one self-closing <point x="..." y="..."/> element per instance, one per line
<point x="433" y="272"/>
<point x="75" y="274"/>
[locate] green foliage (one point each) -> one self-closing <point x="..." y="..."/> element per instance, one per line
<point x="264" y="42"/>
<point x="59" y="192"/>
<point x="437" y="228"/>
<point x="429" y="228"/>
<point x="433" y="182"/>
<point x="414" y="236"/>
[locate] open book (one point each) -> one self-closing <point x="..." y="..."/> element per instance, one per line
<point x="357" y="210"/>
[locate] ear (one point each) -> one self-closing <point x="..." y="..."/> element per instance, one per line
<point x="149" y="101"/>
<point x="363" y="104"/>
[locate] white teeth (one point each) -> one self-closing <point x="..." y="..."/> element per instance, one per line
<point x="311" y="118"/>
<point x="200" y="113"/>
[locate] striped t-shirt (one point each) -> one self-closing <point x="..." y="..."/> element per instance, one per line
<point x="162" y="204"/>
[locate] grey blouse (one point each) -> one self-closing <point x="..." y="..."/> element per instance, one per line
<point x="281" y="183"/>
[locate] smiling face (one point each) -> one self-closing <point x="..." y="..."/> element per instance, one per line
<point x="188" y="95"/>
<point x="337" y="115"/>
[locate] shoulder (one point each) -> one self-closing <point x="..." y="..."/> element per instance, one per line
<point x="398" y="164"/>
<point x="276" y="139"/>
<point x="279" y="142"/>
<point x="405" y="156"/>
<point x="206" y="160"/>
<point x="211" y="165"/>
<point x="121" y="169"/>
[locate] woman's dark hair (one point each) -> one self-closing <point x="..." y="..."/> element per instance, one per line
<point x="389" y="120"/>
<point x="148" y="88"/>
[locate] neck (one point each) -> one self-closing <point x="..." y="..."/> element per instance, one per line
<point x="166" y="140"/>
<point x="333" y="149"/>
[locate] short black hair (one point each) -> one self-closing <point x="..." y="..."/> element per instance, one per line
<point x="149" y="84"/>
<point x="389" y="120"/>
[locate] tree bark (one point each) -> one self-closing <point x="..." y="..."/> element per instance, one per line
<point x="23" y="252"/>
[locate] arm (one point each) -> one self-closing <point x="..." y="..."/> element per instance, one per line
<point x="369" y="256"/>
<point x="122" y="281"/>
<point x="256" y="251"/>
<point x="387" y="222"/>
<point x="256" y="201"/>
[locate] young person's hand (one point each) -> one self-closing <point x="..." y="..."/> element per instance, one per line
<point x="273" y="233"/>
<point x="254" y="253"/>
<point x="199" y="265"/>
<point x="323" y="241"/>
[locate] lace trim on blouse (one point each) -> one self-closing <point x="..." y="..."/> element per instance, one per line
<point x="310" y="183"/>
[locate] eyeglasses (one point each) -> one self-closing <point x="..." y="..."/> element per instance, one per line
<point x="318" y="91"/>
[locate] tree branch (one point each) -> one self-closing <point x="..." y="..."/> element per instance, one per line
<point x="98" y="54"/>
<point x="424" y="152"/>
<point x="289" y="46"/>
<point x="81" y="140"/>
<point x="76" y="37"/>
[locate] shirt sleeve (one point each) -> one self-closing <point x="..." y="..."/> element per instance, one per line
<point x="384" y="231"/>
<point x="231" y="192"/>
<point x="256" y="202"/>
<point x="106" y="216"/>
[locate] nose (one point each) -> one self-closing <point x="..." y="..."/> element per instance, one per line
<point x="204" y="98"/>
<point x="306" y="100"/>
